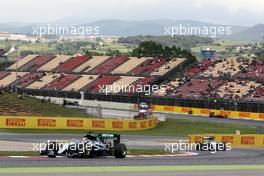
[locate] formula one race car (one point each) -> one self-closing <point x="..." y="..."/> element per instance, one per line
<point x="213" y="115"/>
<point x="92" y="145"/>
<point x="209" y="144"/>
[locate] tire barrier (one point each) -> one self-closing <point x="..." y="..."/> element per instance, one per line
<point x="76" y="123"/>
<point x="208" y="112"/>
<point x="244" y="140"/>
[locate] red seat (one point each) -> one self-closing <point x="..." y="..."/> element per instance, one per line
<point x="3" y="74"/>
<point x="142" y="82"/>
<point x="36" y="63"/>
<point x="27" y="79"/>
<point x="100" y="82"/>
<point x="62" y="82"/>
<point x="148" y="66"/>
<point x="71" y="64"/>
<point x="196" y="88"/>
<point x="109" y="65"/>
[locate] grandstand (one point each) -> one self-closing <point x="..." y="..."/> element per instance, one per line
<point x="167" y="66"/>
<point x="209" y="80"/>
<point x="129" y="65"/>
<point x="197" y="88"/>
<point x="58" y="60"/>
<point x="80" y="73"/>
<point x="226" y="67"/>
<point x="257" y="95"/>
<point x="202" y="66"/>
<point x="80" y="83"/>
<point x="236" y="89"/>
<point x="22" y="62"/>
<point x="255" y="70"/>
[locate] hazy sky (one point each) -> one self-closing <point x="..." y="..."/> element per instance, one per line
<point x="239" y="12"/>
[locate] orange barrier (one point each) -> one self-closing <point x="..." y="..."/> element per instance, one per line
<point x="76" y="123"/>
<point x="244" y="140"/>
<point x="206" y="112"/>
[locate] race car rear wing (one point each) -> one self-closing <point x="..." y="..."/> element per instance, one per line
<point x="115" y="137"/>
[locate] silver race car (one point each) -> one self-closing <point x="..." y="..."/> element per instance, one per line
<point x="92" y="145"/>
<point x="209" y="144"/>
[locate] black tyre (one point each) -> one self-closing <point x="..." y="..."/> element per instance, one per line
<point x="198" y="146"/>
<point x="120" y="150"/>
<point x="223" y="146"/>
<point x="90" y="153"/>
<point x="51" y="154"/>
<point x="52" y="150"/>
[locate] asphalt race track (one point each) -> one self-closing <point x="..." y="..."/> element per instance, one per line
<point x="237" y="156"/>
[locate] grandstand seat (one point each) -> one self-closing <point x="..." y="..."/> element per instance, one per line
<point x="257" y="95"/>
<point x="148" y="66"/>
<point x="10" y="78"/>
<point x="22" y="62"/>
<point x="129" y="65"/>
<point x="165" y="68"/>
<point x="225" y="67"/>
<point x="90" y="64"/>
<point x="35" y="63"/>
<point x="203" y="65"/>
<point x="253" y="71"/>
<point x="99" y="83"/>
<point x="197" y="88"/>
<point x="3" y="74"/>
<point x="168" y="88"/>
<point x="236" y="89"/>
<point x="70" y="64"/>
<point x="122" y="85"/>
<point x="109" y="65"/>
<point x="140" y="83"/>
<point x="83" y="81"/>
<point x="58" y="60"/>
<point x="63" y="81"/>
<point x="43" y="81"/>
<point x="27" y="79"/>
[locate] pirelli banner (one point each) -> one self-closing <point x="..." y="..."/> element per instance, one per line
<point x="76" y="123"/>
<point x="207" y="112"/>
<point x="244" y="140"/>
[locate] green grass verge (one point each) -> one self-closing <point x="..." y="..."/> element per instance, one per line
<point x="35" y="106"/>
<point x="130" y="169"/>
<point x="171" y="127"/>
<point x="130" y="151"/>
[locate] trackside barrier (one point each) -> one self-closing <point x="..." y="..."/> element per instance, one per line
<point x="206" y="112"/>
<point x="244" y="140"/>
<point x="76" y="123"/>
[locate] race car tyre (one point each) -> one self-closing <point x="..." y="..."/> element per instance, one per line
<point x="120" y="150"/>
<point x="89" y="153"/>
<point x="224" y="147"/>
<point x="199" y="147"/>
<point x="51" y="154"/>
